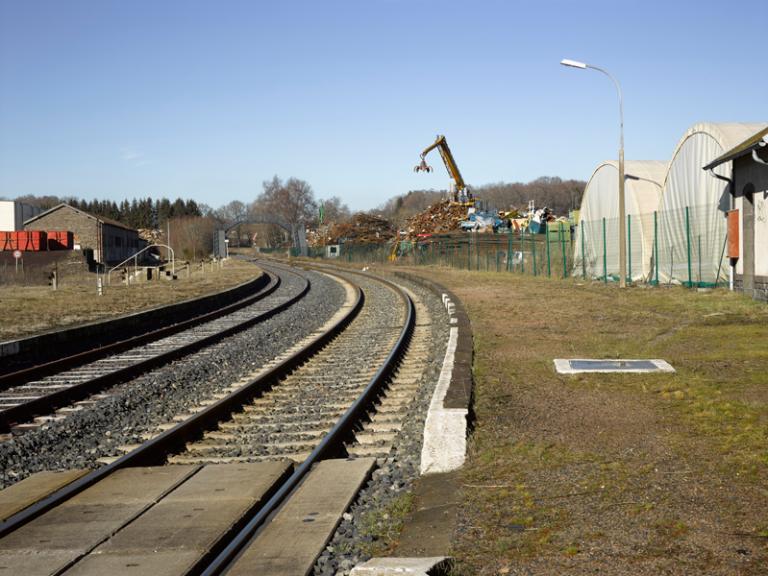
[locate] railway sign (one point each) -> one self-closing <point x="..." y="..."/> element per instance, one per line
<point x="17" y="254"/>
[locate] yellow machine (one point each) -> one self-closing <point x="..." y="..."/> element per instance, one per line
<point x="460" y="193"/>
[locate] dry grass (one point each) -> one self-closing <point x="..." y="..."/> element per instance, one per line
<point x="28" y="310"/>
<point x="614" y="474"/>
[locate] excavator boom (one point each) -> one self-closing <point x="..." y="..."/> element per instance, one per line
<point x="450" y="164"/>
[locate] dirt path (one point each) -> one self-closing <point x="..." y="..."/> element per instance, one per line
<point x="619" y="474"/>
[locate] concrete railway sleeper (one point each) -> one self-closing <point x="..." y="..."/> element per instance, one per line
<point x="34" y="403"/>
<point x="258" y="466"/>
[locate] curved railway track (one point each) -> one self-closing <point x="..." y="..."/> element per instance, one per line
<point x="28" y="394"/>
<point x="342" y="392"/>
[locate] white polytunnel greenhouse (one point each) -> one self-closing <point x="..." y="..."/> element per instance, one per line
<point x="596" y="239"/>
<point x="694" y="202"/>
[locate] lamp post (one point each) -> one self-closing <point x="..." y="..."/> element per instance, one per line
<point x="622" y="210"/>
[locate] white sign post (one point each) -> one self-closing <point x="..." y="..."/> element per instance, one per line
<point x="17" y="256"/>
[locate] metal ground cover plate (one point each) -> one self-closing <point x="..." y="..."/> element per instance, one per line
<point x="582" y="365"/>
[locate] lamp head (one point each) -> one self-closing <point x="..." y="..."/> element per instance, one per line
<point x="573" y="63"/>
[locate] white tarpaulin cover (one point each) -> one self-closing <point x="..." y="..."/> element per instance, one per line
<point x="601" y="201"/>
<point x="693" y="205"/>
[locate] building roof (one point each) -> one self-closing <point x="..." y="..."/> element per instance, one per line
<point x="101" y="219"/>
<point x="757" y="140"/>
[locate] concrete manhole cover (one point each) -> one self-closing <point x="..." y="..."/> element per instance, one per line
<point x="581" y="365"/>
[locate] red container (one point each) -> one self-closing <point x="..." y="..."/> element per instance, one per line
<point x="60" y="240"/>
<point x="8" y="241"/>
<point x="31" y="240"/>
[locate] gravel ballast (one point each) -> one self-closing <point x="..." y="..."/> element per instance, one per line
<point x="375" y="512"/>
<point x="134" y="408"/>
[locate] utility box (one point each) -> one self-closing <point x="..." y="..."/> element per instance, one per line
<point x="332" y="251"/>
<point x="219" y="244"/>
<point x="733" y="234"/>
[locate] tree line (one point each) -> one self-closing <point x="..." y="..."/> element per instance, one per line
<point x="192" y="225"/>
<point x="136" y="213"/>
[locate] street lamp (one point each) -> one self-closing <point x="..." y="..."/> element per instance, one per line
<point x="622" y="216"/>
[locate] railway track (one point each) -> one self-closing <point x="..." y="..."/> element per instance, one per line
<point x="28" y="401"/>
<point x="292" y="441"/>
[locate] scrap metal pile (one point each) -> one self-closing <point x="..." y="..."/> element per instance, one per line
<point x="440" y="218"/>
<point x="361" y="229"/>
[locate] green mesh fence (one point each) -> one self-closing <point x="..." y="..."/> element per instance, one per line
<point x="685" y="246"/>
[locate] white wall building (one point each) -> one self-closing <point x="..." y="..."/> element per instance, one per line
<point x="13" y="214"/>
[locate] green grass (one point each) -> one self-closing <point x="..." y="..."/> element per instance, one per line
<point x="556" y="468"/>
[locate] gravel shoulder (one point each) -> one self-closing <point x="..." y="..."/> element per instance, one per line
<point x="613" y="474"/>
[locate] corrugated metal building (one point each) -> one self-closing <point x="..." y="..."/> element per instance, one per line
<point x="111" y="241"/>
<point x="749" y="193"/>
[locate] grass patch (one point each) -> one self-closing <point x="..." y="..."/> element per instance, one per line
<point x="29" y="310"/>
<point x="380" y="529"/>
<point x="561" y="466"/>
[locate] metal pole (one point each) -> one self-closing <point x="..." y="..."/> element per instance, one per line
<point x="533" y="251"/>
<point x="583" y="259"/>
<point x="656" y="245"/>
<point x="622" y="209"/>
<point x="549" y="257"/>
<point x="469" y="253"/>
<point x="700" y="261"/>
<point x="509" y="250"/>
<point x="688" y="239"/>
<point x="629" y="249"/>
<point x="562" y="249"/>
<point x="605" y="255"/>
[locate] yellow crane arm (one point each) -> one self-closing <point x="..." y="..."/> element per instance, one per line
<point x="450" y="164"/>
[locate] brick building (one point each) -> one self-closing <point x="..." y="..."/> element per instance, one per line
<point x="111" y="241"/>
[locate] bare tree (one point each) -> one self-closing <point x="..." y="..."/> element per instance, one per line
<point x="293" y="200"/>
<point x="192" y="236"/>
<point x="235" y="211"/>
<point x="335" y="211"/>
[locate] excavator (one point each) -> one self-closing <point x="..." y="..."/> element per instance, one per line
<point x="460" y="193"/>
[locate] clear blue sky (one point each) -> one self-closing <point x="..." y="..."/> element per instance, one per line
<point x="205" y="100"/>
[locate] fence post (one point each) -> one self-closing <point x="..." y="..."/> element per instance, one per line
<point x="688" y="239"/>
<point x="605" y="255"/>
<point x="583" y="258"/>
<point x="509" y="250"/>
<point x="700" y="282"/>
<point x="656" y="245"/>
<point x="549" y="258"/>
<point x="477" y="253"/>
<point x="629" y="249"/>
<point x="562" y="249"/>
<point x="533" y="251"/>
<point x="522" y="251"/>
<point x="469" y="252"/>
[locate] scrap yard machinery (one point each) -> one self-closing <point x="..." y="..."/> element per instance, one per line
<point x="460" y="192"/>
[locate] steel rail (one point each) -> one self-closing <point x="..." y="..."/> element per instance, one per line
<point x="53" y="366"/>
<point x="157" y="450"/>
<point x="46" y="404"/>
<point x="331" y="446"/>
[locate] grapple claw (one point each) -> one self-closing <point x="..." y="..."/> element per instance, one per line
<point x="422" y="167"/>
